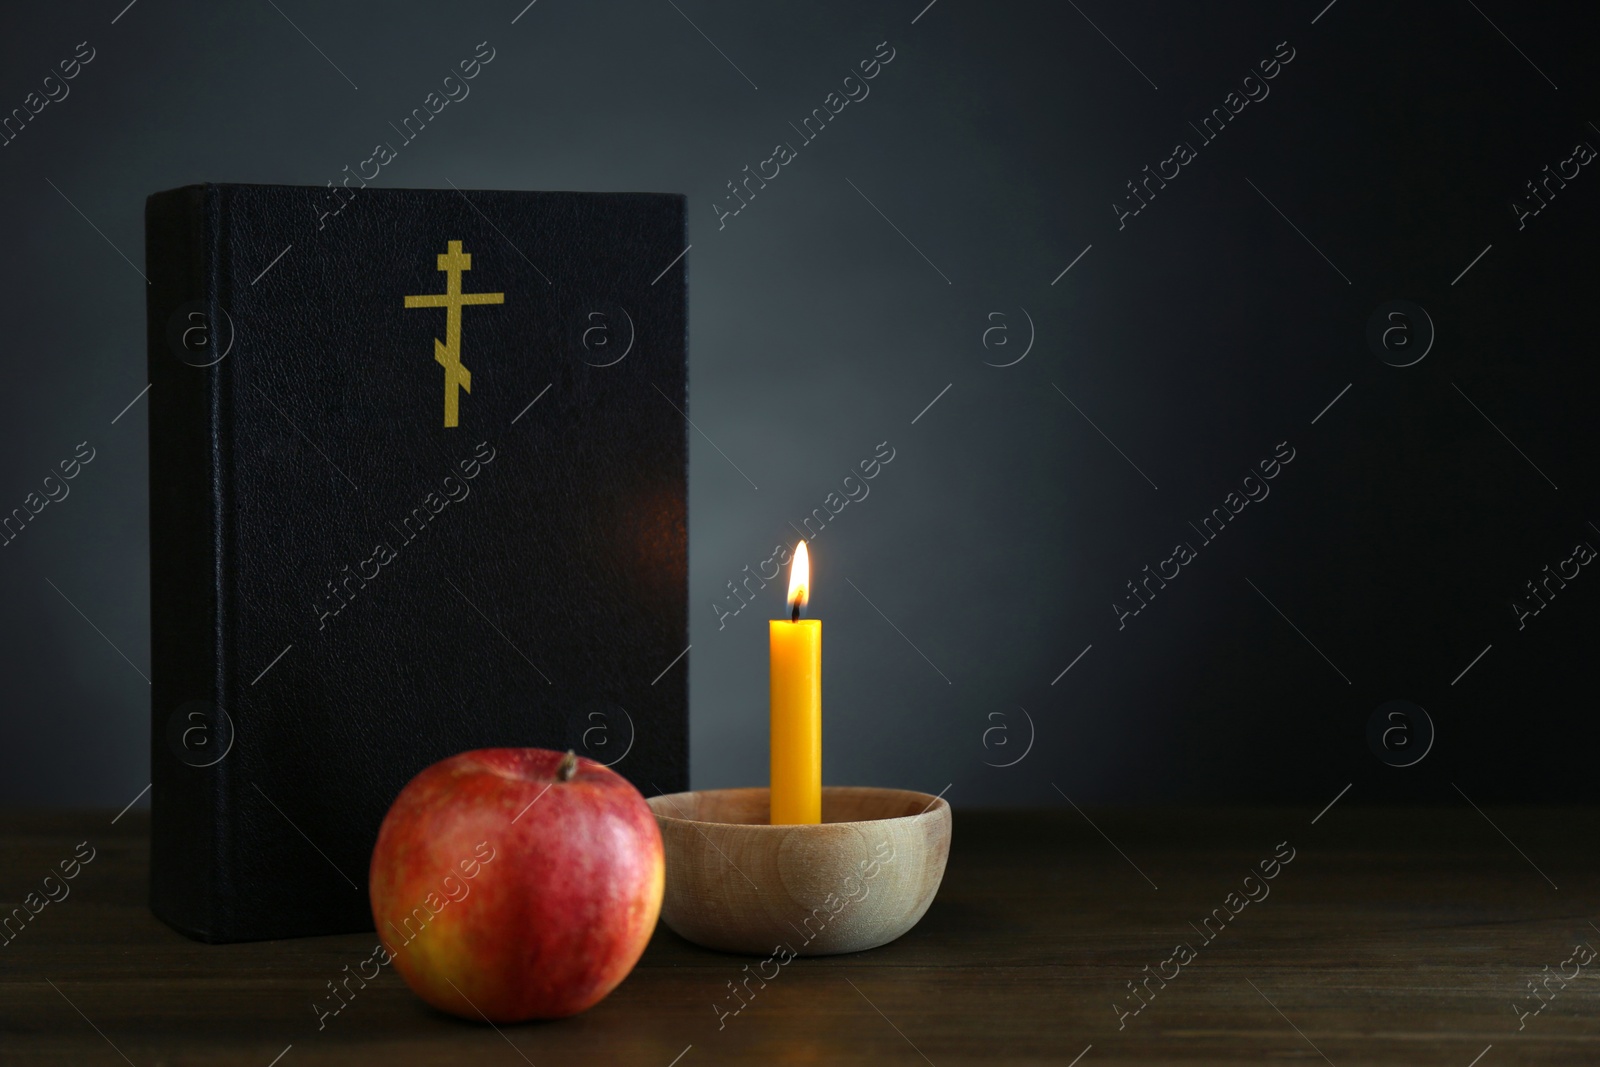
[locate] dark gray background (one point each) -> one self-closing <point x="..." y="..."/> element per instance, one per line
<point x="993" y="546"/>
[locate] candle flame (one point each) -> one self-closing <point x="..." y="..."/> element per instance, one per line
<point x="799" y="580"/>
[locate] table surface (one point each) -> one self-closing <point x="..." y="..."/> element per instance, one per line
<point x="1393" y="936"/>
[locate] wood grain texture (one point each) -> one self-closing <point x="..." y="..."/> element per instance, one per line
<point x="1394" y="937"/>
<point x="857" y="880"/>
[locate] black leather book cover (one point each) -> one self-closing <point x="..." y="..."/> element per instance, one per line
<point x="418" y="485"/>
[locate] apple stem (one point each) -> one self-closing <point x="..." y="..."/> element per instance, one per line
<point x="568" y="767"/>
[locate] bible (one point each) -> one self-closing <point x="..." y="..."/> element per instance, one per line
<point x="417" y="486"/>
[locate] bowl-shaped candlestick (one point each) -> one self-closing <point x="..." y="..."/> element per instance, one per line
<point x="857" y="880"/>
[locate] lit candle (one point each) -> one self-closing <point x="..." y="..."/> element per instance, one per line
<point x="796" y="681"/>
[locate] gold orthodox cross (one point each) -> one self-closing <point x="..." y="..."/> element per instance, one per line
<point x="447" y="353"/>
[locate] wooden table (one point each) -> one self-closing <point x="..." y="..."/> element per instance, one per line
<point x="1393" y="936"/>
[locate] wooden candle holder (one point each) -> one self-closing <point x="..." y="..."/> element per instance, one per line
<point x="857" y="880"/>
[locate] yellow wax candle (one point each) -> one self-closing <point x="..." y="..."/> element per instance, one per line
<point x="796" y="702"/>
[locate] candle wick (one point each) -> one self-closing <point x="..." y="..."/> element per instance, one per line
<point x="794" y="615"/>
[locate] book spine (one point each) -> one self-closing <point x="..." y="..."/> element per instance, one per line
<point x="191" y="803"/>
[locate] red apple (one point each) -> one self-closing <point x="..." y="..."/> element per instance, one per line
<point x="516" y="883"/>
